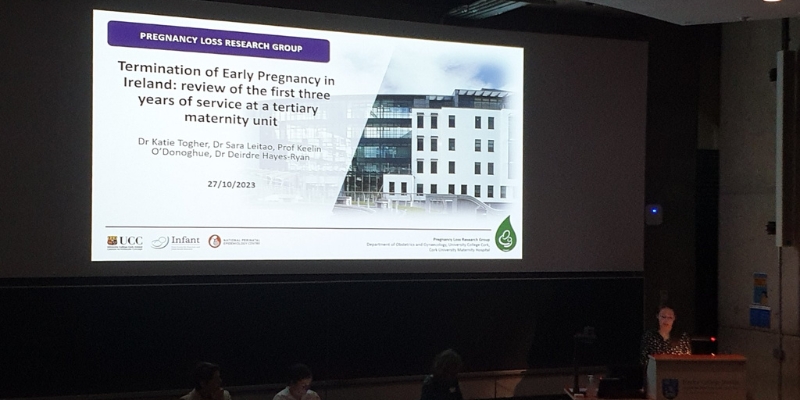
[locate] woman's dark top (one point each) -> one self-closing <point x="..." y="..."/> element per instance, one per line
<point x="653" y="343"/>
<point x="440" y="389"/>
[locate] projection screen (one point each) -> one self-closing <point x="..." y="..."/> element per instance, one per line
<point x="191" y="138"/>
<point x="258" y="142"/>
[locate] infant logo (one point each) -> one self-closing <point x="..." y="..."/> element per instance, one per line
<point x="160" y="243"/>
<point x="505" y="238"/>
<point x="214" y="241"/>
<point x="112" y="241"/>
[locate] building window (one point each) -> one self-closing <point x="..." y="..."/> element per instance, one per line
<point x="434" y="121"/>
<point x="371" y="151"/>
<point x="477" y="190"/>
<point x="434" y="166"/>
<point x="451" y="167"/>
<point x="451" y="144"/>
<point x="433" y="188"/>
<point x="419" y="188"/>
<point x="491" y="125"/>
<point x="477" y="145"/>
<point x="420" y="120"/>
<point x="490" y="146"/>
<point x="490" y="191"/>
<point x="502" y="192"/>
<point x="403" y="187"/>
<point x="434" y="143"/>
<point x="451" y="121"/>
<point x="391" y="187"/>
<point x="420" y="143"/>
<point x="490" y="168"/>
<point x="477" y="168"/>
<point x="420" y="166"/>
<point x="477" y="122"/>
<point x="463" y="189"/>
<point x="451" y="189"/>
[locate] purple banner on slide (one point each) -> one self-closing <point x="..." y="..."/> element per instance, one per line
<point x="177" y="38"/>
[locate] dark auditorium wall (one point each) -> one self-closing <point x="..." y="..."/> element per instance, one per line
<point x="82" y="336"/>
<point x="102" y="339"/>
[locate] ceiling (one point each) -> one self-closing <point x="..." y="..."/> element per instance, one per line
<point x="695" y="12"/>
<point x="680" y="12"/>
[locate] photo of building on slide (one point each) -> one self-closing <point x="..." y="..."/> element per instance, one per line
<point x="416" y="153"/>
<point x="444" y="154"/>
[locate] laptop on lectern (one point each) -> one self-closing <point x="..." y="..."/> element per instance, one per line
<point x="704" y="345"/>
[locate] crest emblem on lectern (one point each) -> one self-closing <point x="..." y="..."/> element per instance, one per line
<point x="669" y="388"/>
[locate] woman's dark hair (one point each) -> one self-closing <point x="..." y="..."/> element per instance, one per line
<point x="663" y="306"/>
<point x="446" y="364"/>
<point x="298" y="372"/>
<point x="203" y="372"/>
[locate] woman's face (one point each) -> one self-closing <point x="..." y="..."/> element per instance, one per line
<point x="299" y="388"/>
<point x="665" y="319"/>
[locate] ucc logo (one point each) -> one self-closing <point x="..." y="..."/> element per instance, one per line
<point x="130" y="240"/>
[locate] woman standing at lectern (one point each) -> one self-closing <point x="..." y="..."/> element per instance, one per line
<point x="661" y="341"/>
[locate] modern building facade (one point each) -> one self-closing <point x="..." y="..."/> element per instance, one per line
<point x="418" y="145"/>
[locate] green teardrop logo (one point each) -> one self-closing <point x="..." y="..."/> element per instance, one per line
<point x="505" y="238"/>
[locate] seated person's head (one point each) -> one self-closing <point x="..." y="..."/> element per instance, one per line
<point x="446" y="365"/>
<point x="206" y="377"/>
<point x="299" y="380"/>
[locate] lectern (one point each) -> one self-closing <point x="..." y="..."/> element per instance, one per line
<point x="697" y="377"/>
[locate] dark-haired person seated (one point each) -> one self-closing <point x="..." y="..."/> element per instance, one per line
<point x="207" y="382"/>
<point x="661" y="341"/>
<point x="299" y="385"/>
<point x="442" y="383"/>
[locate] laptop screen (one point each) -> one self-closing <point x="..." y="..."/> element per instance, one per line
<point x="704" y="345"/>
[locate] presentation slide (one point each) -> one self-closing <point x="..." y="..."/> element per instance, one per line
<point x="215" y="140"/>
